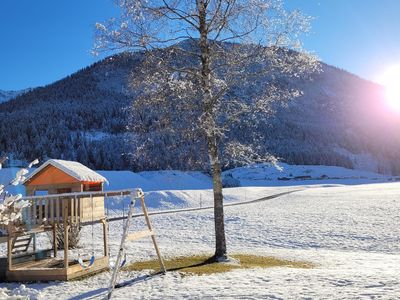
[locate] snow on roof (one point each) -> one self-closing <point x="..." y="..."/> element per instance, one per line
<point x="72" y="168"/>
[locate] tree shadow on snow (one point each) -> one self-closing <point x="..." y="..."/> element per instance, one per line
<point x="95" y="294"/>
<point x="101" y="293"/>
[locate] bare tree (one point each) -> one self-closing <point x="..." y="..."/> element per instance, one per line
<point x="205" y="67"/>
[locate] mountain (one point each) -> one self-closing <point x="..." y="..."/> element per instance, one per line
<point x="7" y="95"/>
<point x="340" y="119"/>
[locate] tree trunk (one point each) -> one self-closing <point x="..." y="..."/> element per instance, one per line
<point x="210" y="131"/>
<point x="220" y="241"/>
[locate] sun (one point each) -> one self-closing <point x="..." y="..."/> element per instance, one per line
<point x="391" y="81"/>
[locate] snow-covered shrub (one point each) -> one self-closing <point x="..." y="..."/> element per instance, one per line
<point x="74" y="235"/>
<point x="11" y="211"/>
<point x="11" y="206"/>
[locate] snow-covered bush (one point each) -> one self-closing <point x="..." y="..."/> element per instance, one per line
<point x="11" y="206"/>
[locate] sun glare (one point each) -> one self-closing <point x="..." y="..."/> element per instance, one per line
<point x="391" y="81"/>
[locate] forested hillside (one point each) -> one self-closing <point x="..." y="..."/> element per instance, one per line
<point x="340" y="120"/>
<point x="7" y="95"/>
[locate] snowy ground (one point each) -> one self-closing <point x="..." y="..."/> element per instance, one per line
<point x="351" y="232"/>
<point x="254" y="175"/>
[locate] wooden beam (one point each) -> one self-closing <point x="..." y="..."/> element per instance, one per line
<point x="51" y="211"/>
<point x="105" y="236"/>
<point x="153" y="237"/>
<point x="34" y="242"/>
<point x="55" y="246"/>
<point x="58" y="211"/>
<point x="76" y="209"/>
<point x="9" y="252"/>
<point x="34" y="213"/>
<point x="139" y="234"/>
<point x="46" y="211"/>
<point x="85" y="194"/>
<point x="39" y="202"/>
<point x="72" y="203"/>
<point x="66" y="227"/>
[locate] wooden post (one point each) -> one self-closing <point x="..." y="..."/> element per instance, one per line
<point x="34" y="242"/>
<point x="58" y="210"/>
<point x="46" y="211"/>
<point x="105" y="236"/>
<point x="9" y="252"/>
<point x="66" y="227"/>
<point x="76" y="209"/>
<point x="35" y="212"/>
<point x="55" y="246"/>
<point x="72" y="214"/>
<point x="39" y="202"/>
<point x="51" y="210"/>
<point x="153" y="237"/>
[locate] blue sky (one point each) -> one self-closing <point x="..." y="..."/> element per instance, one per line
<point x="45" y="40"/>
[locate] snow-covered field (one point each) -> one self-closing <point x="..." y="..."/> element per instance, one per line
<point x="348" y="226"/>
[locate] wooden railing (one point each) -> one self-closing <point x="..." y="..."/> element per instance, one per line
<point x="50" y="211"/>
<point x="74" y="208"/>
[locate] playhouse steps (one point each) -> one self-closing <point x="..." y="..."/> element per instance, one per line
<point x="21" y="244"/>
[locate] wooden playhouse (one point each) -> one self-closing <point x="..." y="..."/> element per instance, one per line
<point x="62" y="177"/>
<point x="62" y="194"/>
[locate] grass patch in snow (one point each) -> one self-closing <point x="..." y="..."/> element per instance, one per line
<point x="203" y="264"/>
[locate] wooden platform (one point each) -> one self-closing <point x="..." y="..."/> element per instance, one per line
<point x="52" y="269"/>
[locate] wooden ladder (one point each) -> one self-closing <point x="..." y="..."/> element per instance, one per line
<point x="126" y="236"/>
<point x="21" y="243"/>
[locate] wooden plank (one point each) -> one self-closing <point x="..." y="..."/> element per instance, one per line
<point x="66" y="227"/>
<point x="46" y="211"/>
<point x="55" y="246"/>
<point x="9" y="252"/>
<point x="39" y="202"/>
<point x="35" y="229"/>
<point x="51" y="211"/>
<point x="139" y="234"/>
<point x="87" y="194"/>
<point x="72" y="216"/>
<point x="105" y="237"/>
<point x="20" y="242"/>
<point x="80" y="208"/>
<point x="58" y="210"/>
<point x="76" y="209"/>
<point x="36" y="275"/>
<point x="28" y="215"/>
<point x="34" y="213"/>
